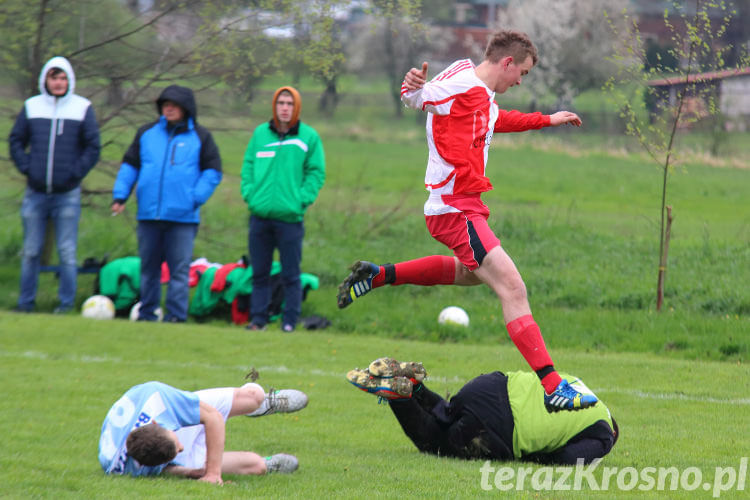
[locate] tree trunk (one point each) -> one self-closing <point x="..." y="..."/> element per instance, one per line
<point x="329" y="99"/>
<point x="392" y="69"/>
<point x="663" y="261"/>
<point x="35" y="64"/>
<point x="115" y="95"/>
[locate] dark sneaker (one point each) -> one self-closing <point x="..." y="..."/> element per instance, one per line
<point x="281" y="462"/>
<point x="281" y="401"/>
<point x="255" y="327"/>
<point x="567" y="398"/>
<point x="62" y="309"/>
<point x="385" y="387"/>
<point x="389" y="367"/>
<point x="358" y="283"/>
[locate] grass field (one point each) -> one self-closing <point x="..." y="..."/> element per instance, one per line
<point x="60" y="377"/>
<point x="578" y="212"/>
<point x="582" y="230"/>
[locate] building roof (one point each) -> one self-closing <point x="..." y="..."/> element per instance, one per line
<point x="700" y="77"/>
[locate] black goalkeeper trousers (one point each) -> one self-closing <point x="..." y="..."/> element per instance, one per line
<point x="476" y="423"/>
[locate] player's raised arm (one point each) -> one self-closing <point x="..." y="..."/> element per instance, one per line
<point x="415" y="78"/>
<point x="412" y="94"/>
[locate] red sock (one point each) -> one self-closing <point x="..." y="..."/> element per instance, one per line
<point x="427" y="271"/>
<point x="525" y="334"/>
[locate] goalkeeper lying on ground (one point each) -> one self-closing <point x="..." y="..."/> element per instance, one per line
<point x="494" y="416"/>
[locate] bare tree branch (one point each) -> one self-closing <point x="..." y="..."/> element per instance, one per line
<point x="122" y="35"/>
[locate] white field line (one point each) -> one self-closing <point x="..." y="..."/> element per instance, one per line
<point x="673" y="396"/>
<point x="635" y="393"/>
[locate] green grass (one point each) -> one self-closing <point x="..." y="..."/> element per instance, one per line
<point x="581" y="226"/>
<point x="60" y="378"/>
<point x="578" y="214"/>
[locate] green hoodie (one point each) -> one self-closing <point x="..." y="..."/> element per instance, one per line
<point x="281" y="175"/>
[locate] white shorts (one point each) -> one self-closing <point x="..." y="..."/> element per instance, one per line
<point x="193" y="438"/>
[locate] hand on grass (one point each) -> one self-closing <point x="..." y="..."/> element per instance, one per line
<point x="212" y="478"/>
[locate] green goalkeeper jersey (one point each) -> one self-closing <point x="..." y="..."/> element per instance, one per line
<point x="537" y="431"/>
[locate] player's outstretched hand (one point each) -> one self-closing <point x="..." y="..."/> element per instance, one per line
<point x="416" y="78"/>
<point x="563" y="117"/>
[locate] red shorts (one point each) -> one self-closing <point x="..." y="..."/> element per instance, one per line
<point x="466" y="232"/>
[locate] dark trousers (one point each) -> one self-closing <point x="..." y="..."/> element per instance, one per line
<point x="264" y="237"/>
<point x="170" y="242"/>
<point x="457" y="427"/>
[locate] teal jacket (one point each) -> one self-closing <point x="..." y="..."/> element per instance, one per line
<point x="282" y="173"/>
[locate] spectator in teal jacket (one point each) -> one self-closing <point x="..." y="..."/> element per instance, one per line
<point x="282" y="173"/>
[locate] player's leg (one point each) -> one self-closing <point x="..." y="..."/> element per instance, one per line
<point x="448" y="228"/>
<point x="365" y="276"/>
<point x="243" y="462"/>
<point x="420" y="425"/>
<point x="277" y="401"/>
<point x="251" y="400"/>
<point x="454" y="230"/>
<point x="500" y="273"/>
<point x="246" y="399"/>
<point x="395" y="382"/>
<point x="249" y="463"/>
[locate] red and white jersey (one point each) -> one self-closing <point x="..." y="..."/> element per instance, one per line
<point x="462" y="117"/>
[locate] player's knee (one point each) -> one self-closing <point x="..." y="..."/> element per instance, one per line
<point x="253" y="393"/>
<point x="465" y="277"/>
<point x="514" y="288"/>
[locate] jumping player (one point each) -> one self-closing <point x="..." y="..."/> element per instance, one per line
<point x="461" y="118"/>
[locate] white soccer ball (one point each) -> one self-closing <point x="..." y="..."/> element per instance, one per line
<point x="453" y="315"/>
<point x="135" y="312"/>
<point x="98" y="307"/>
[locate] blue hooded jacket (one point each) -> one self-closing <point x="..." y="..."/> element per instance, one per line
<point x="176" y="168"/>
<point x="60" y="133"/>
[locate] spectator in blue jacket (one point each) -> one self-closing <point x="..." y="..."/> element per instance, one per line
<point x="176" y="166"/>
<point x="54" y="143"/>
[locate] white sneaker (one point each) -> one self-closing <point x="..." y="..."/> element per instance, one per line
<point x="281" y="401"/>
<point x="281" y="462"/>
